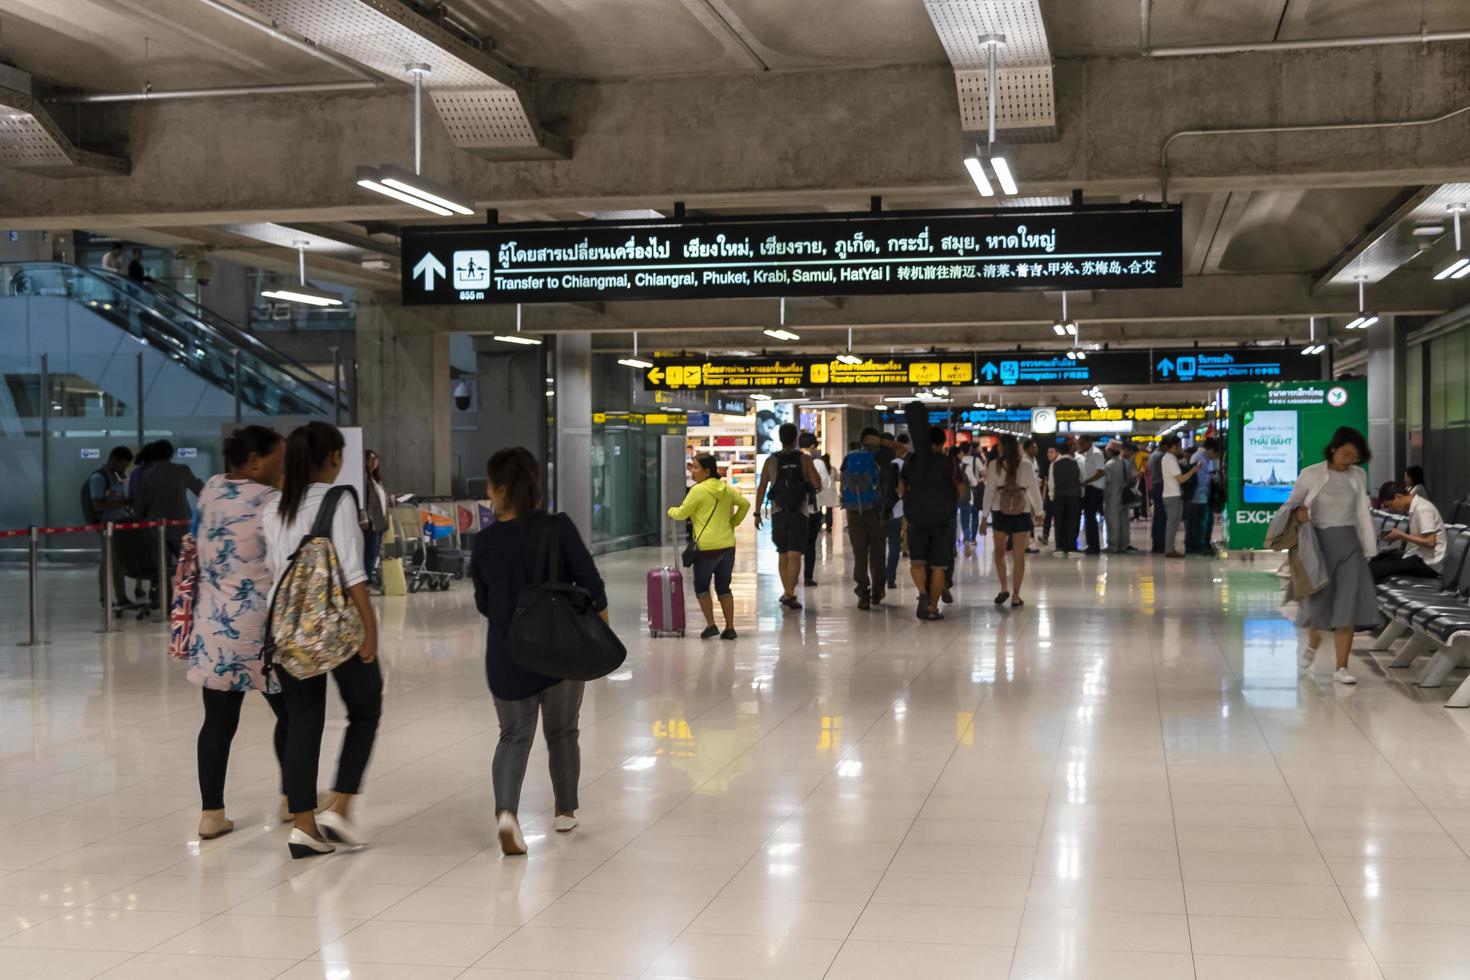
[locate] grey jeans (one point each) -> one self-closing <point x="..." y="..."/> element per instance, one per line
<point x="1119" y="533"/>
<point x="558" y="706"/>
<point x="1173" y="511"/>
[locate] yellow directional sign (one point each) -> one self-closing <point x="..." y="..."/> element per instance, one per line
<point x="656" y="376"/>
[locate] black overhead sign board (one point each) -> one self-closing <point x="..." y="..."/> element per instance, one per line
<point x="1011" y="369"/>
<point x="1098" y="247"/>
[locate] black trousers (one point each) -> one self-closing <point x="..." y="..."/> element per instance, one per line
<point x="1068" y="512"/>
<point x="1049" y="509"/>
<point x="1388" y="566"/>
<point x="1092" y="505"/>
<point x="361" y="687"/>
<point x="813" y="531"/>
<point x="221" y="720"/>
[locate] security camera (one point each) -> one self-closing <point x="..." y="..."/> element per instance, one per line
<point x="203" y="272"/>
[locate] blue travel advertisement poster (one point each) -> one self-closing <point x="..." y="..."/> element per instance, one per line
<point x="1269" y="456"/>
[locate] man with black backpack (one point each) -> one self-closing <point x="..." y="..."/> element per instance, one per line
<point x="791" y="478"/>
<point x="932" y="486"/>
<point x="867" y="523"/>
<point x="104" y="499"/>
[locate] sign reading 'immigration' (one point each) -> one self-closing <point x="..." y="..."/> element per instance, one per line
<point x="1096" y="247"/>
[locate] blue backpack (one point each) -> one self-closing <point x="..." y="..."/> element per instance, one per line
<point x="861" y="481"/>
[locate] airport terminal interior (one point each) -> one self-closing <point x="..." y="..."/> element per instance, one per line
<point x="1007" y="466"/>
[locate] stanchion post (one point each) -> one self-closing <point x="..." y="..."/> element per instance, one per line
<point x="163" y="583"/>
<point x="34" y="574"/>
<point x="109" y="597"/>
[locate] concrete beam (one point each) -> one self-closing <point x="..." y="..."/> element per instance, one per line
<point x="793" y="139"/>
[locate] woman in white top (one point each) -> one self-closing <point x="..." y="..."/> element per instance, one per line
<point x="1012" y="504"/>
<point x="313" y="462"/>
<point x="827" y="498"/>
<point x="1333" y="496"/>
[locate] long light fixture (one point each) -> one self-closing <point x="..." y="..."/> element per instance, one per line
<point x="1364" y="320"/>
<point x="1459" y="266"/>
<point x="849" y="357"/>
<point x="303" y="293"/>
<point x="1076" y="352"/>
<point x="513" y="338"/>
<point x="975" y="164"/>
<point x="1313" y="348"/>
<point x="635" y="361"/>
<point x="414" y="188"/>
<point x="1064" y="327"/>
<point x="781" y="333"/>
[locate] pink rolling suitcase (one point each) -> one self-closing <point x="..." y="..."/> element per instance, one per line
<point x="665" y="602"/>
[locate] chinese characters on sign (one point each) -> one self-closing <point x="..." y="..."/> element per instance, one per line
<point x="1100" y="247"/>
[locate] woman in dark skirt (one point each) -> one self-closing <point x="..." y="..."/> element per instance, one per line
<point x="1333" y="496"/>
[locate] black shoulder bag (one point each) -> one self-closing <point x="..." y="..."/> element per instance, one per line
<point x="691" y="549"/>
<point x="554" y="631"/>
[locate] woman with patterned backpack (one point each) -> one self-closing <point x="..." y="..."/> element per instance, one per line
<point x="321" y="622"/>
<point x="220" y="637"/>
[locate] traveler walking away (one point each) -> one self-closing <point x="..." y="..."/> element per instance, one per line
<point x="1012" y="505"/>
<point x="1092" y="461"/>
<point x="808" y="444"/>
<point x="1159" y="526"/>
<point x="1333" y="496"/>
<point x="1141" y="457"/>
<point x="501" y="567"/>
<point x="1174" y="479"/>
<point x="1031" y="449"/>
<point x="312" y="464"/>
<point x="1052" y="455"/>
<point x="1119" y="478"/>
<point x="136" y="272"/>
<point x="113" y="261"/>
<point x="931" y="489"/>
<point x="105" y="499"/>
<point x="1414" y="480"/>
<point x="714" y="509"/>
<point x="1199" y="511"/>
<point x="828" y="500"/>
<point x="374" y="515"/>
<point x="867" y="525"/>
<point x="1066" y="495"/>
<point x="972" y="510"/>
<point x="791" y="479"/>
<point x="897" y="452"/>
<point x="1424" y="542"/>
<point x="224" y="650"/>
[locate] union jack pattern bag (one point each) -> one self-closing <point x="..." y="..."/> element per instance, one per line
<point x="181" y="607"/>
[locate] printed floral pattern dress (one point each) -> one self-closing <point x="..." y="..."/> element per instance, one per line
<point x="234" y="586"/>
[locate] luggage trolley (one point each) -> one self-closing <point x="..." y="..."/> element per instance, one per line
<point x="413" y="548"/>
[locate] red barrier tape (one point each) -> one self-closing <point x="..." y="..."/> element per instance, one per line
<point x="79" y="528"/>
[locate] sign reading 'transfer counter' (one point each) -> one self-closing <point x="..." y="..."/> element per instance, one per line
<point x="1098" y="247"/>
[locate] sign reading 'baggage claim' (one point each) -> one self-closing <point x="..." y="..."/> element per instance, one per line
<point x="755" y="373"/>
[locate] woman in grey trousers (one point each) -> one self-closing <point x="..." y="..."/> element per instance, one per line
<point x="504" y="557"/>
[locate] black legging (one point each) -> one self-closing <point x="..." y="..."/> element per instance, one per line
<point x="361" y="687"/>
<point x="221" y="719"/>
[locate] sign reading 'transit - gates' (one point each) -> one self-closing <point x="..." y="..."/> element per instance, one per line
<point x="1094" y="247"/>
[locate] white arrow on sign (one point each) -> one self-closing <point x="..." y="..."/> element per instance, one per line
<point x="428" y="267"/>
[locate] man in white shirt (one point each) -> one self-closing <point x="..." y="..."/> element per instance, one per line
<point x="1173" y="495"/>
<point x="1091" y="460"/>
<point x="1424" y="541"/>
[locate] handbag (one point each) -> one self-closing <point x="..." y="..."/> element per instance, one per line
<point x="313" y="626"/>
<point x="691" y="548"/>
<point x="554" y="631"/>
<point x="181" y="606"/>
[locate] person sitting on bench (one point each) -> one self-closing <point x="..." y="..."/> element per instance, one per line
<point x="1424" y="541"/>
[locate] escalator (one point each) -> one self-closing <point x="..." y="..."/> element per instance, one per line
<point x="229" y="361"/>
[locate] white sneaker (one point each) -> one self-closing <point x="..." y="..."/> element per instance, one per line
<point x="1308" y="657"/>
<point x="566" y="823"/>
<point x="1342" y="676"/>
<point x="511" y="840"/>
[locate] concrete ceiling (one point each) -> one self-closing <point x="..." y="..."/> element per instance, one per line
<point x="740" y="106"/>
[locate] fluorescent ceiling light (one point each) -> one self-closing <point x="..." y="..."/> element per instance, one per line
<point x="1429" y="231"/>
<point x="1082" y="355"/>
<point x="1003" y="174"/>
<point x="1453" y="268"/>
<point x="516" y="338"/>
<point x="977" y="174"/>
<point x="1071" y="328"/>
<point x="1353" y="323"/>
<point x="779" y="334"/>
<point x="419" y="186"/>
<point x="1463" y="272"/>
<point x="1368" y="321"/>
<point x="634" y="362"/>
<point x="381" y="188"/>
<point x="849" y="359"/>
<point x="1311" y="349"/>
<point x="760" y="397"/>
<point x="1059" y="329"/>
<point x="304" y="294"/>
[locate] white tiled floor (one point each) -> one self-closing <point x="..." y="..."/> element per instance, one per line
<point x="1128" y="779"/>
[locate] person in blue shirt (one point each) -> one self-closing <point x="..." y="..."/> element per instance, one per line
<point x="1199" y="517"/>
<point x="107" y="500"/>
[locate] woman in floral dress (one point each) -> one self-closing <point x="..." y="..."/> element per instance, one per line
<point x="230" y="607"/>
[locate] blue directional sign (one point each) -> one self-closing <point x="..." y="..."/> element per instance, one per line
<point x="1217" y="367"/>
<point x="1019" y="369"/>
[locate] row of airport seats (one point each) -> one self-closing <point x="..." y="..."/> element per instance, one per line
<point x="1430" y="615"/>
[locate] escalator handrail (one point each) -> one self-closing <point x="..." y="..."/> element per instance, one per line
<point x="311" y="386"/>
<point x="204" y="321"/>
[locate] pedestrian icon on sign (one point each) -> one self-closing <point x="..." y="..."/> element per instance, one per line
<point x="472" y="269"/>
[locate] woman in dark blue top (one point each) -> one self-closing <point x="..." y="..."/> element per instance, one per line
<point x="505" y="552"/>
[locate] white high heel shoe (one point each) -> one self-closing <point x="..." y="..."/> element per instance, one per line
<point x="303" y="845"/>
<point x="338" y="828"/>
